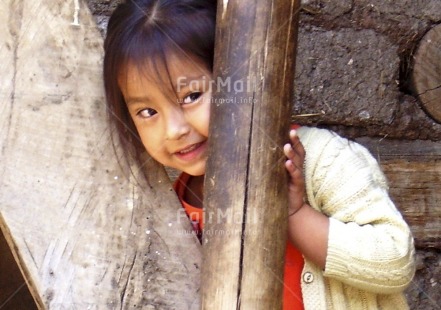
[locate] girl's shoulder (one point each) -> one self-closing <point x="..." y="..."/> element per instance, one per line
<point x="312" y="137"/>
<point x="320" y="139"/>
<point x="325" y="146"/>
<point x="335" y="166"/>
<point x="306" y="131"/>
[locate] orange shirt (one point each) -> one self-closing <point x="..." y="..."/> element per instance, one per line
<point x="292" y="293"/>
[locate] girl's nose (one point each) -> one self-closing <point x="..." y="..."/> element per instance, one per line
<point x="177" y="125"/>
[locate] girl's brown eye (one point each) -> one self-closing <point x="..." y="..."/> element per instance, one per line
<point x="147" y="113"/>
<point x="192" y="97"/>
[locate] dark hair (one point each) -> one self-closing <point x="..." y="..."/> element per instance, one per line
<point x="141" y="30"/>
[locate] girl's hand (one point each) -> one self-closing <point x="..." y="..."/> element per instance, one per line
<point x="309" y="230"/>
<point x="295" y="154"/>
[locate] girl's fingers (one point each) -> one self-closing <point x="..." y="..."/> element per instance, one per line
<point x="292" y="155"/>
<point x="295" y="155"/>
<point x="288" y="150"/>
<point x="290" y="166"/>
<point x="297" y="145"/>
<point x="293" y="164"/>
<point x="295" y="151"/>
<point x="296" y="178"/>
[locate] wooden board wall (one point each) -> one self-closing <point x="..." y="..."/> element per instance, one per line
<point x="413" y="169"/>
<point x="82" y="232"/>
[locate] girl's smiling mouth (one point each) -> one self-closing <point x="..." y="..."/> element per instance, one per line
<point x="192" y="151"/>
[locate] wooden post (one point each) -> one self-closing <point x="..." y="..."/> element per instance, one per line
<point x="245" y="186"/>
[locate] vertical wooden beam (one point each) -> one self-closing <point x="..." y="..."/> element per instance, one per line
<point x="245" y="187"/>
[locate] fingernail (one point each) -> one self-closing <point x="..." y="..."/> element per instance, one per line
<point x="292" y="133"/>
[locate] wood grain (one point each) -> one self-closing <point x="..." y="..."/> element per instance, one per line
<point x="245" y="237"/>
<point x="85" y="232"/>
<point x="413" y="169"/>
<point x="426" y="72"/>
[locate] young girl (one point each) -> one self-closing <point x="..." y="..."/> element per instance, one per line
<point x="349" y="246"/>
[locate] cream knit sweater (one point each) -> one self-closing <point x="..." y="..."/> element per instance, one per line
<point x="370" y="258"/>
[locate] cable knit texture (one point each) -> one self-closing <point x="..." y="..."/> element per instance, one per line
<point x="370" y="259"/>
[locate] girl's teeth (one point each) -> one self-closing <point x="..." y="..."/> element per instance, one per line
<point x="191" y="148"/>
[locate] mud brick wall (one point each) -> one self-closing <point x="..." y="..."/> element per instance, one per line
<point x="354" y="62"/>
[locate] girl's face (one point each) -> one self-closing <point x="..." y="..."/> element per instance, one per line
<point x="173" y="126"/>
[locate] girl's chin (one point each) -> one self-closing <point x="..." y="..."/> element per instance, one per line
<point x="194" y="173"/>
<point x="197" y="170"/>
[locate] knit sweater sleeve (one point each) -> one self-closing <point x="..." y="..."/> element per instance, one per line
<point x="370" y="246"/>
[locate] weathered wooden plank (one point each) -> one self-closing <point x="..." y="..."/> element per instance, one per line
<point x="85" y="232"/>
<point x="413" y="169"/>
<point x="244" y="240"/>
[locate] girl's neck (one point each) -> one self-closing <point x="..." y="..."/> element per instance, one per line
<point x="194" y="191"/>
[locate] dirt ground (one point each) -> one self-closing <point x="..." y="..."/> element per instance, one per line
<point x="353" y="65"/>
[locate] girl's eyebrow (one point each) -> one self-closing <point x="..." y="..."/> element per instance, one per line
<point x="135" y="100"/>
<point x="186" y="80"/>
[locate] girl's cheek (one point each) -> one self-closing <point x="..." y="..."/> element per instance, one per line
<point x="200" y="118"/>
<point x="150" y="138"/>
